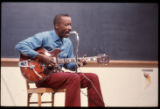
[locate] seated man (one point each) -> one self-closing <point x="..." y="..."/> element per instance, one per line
<point x="72" y="82"/>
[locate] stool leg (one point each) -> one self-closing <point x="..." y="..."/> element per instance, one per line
<point x="28" y="99"/>
<point x="39" y="99"/>
<point x="52" y="104"/>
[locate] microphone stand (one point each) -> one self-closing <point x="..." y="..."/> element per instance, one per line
<point x="77" y="45"/>
<point x="76" y="57"/>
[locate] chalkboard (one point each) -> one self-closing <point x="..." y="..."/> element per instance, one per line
<point x="124" y="31"/>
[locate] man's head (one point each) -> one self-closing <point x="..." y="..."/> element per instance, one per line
<point x="62" y="25"/>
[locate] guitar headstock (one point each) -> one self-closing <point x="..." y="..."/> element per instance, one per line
<point x="103" y="59"/>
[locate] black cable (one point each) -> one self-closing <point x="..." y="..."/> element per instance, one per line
<point x="95" y="90"/>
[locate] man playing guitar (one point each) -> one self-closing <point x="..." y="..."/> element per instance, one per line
<point x="57" y="40"/>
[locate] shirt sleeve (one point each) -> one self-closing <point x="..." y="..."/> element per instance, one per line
<point x="28" y="45"/>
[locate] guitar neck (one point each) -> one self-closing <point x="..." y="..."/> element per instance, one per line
<point x="68" y="60"/>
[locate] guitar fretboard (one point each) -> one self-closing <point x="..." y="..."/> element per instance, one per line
<point x="68" y="60"/>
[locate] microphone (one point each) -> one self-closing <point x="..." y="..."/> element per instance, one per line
<point x="74" y="33"/>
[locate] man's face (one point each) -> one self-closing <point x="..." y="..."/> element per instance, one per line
<point x="64" y="27"/>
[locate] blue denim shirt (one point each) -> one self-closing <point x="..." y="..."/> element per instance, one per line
<point x="48" y="40"/>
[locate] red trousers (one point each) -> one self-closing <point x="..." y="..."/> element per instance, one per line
<point x="72" y="82"/>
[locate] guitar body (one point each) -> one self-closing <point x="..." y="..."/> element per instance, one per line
<point x="37" y="70"/>
<point x="34" y="70"/>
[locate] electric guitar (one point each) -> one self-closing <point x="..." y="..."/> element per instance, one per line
<point x="34" y="70"/>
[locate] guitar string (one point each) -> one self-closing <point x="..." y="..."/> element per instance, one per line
<point x="61" y="61"/>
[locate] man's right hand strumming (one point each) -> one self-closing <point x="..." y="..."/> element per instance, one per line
<point x="46" y="59"/>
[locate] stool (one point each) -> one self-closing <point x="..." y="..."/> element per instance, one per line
<point x="41" y="91"/>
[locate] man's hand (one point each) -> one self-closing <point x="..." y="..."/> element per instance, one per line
<point x="46" y="59"/>
<point x="82" y="62"/>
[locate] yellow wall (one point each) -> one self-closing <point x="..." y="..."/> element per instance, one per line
<point x="121" y="86"/>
